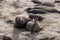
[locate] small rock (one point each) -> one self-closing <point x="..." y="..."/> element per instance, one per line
<point x="36" y="27"/>
<point x="30" y="25"/>
<point x="10" y="21"/>
<point x="33" y="26"/>
<point x="3" y="37"/>
<point x="21" y="20"/>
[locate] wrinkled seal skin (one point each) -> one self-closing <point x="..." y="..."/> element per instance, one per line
<point x="21" y="20"/>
